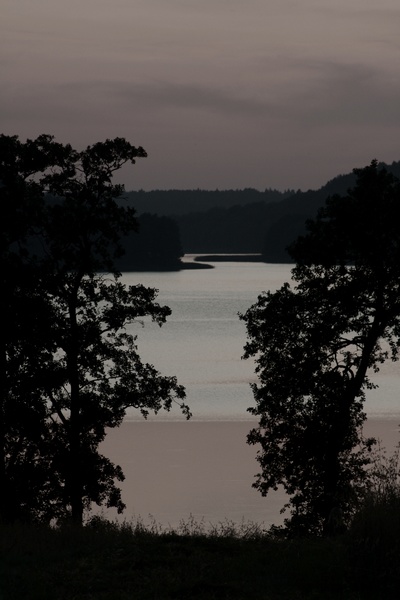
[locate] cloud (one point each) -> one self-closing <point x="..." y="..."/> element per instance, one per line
<point x="313" y="93"/>
<point x="194" y="97"/>
<point x="331" y="92"/>
<point x="218" y="91"/>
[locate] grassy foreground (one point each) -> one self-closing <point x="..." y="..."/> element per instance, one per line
<point x="117" y="562"/>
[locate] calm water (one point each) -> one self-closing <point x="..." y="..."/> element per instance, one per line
<point x="202" y="342"/>
<point x="204" y="467"/>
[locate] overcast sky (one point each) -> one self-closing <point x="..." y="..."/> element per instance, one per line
<point x="221" y="93"/>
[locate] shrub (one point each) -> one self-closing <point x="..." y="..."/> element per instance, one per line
<point x="374" y="536"/>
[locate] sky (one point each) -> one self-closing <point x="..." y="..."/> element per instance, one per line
<point x="222" y="94"/>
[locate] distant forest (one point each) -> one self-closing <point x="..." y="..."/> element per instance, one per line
<point x="228" y="221"/>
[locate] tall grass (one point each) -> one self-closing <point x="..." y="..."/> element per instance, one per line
<point x="374" y="535"/>
<point x="107" y="560"/>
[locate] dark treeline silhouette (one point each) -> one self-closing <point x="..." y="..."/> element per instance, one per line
<point x="242" y="221"/>
<point x="183" y="202"/>
<point x="155" y="246"/>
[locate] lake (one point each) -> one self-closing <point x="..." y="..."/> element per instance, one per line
<point x="202" y="341"/>
<point x="204" y="467"/>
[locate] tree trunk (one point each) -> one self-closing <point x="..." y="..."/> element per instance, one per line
<point x="3" y="480"/>
<point x="344" y="425"/>
<point x="75" y="484"/>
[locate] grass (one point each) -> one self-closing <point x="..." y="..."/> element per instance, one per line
<point x="107" y="561"/>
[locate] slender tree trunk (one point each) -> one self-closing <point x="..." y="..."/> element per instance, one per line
<point x="8" y="501"/>
<point x="75" y="464"/>
<point x="344" y="425"/>
<point x="5" y="492"/>
<point x="3" y="478"/>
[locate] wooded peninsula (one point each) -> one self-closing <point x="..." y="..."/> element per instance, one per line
<point x="234" y="222"/>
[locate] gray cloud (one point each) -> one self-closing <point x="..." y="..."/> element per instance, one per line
<point x="321" y="92"/>
<point x="215" y="90"/>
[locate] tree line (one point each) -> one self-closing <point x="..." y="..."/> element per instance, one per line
<point x="155" y="246"/>
<point x="70" y="365"/>
<point x="183" y="202"/>
<point x="242" y="221"/>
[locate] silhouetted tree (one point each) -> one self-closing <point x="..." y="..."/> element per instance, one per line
<point x="315" y="344"/>
<point x="25" y="328"/>
<point x="87" y="361"/>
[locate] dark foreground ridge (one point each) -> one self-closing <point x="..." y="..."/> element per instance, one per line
<point x="105" y="561"/>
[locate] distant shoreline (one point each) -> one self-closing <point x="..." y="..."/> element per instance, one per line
<point x="229" y="258"/>
<point x="197" y="261"/>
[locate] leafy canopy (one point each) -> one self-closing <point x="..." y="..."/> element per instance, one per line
<point x="70" y="365"/>
<point x="315" y="343"/>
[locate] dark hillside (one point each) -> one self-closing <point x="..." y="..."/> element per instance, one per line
<point x="181" y="202"/>
<point x="236" y="221"/>
<point x="155" y="246"/>
<point x="294" y="212"/>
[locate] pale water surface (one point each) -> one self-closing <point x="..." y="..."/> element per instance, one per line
<point x="204" y="467"/>
<point x="202" y="342"/>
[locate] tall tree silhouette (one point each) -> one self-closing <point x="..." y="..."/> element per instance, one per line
<point x="25" y="328"/>
<point x="92" y="369"/>
<point x="315" y="344"/>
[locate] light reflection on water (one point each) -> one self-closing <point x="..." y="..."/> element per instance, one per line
<point x="202" y="341"/>
<point x="204" y="467"/>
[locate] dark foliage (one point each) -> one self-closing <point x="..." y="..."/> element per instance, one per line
<point x="315" y="344"/>
<point x="69" y="360"/>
